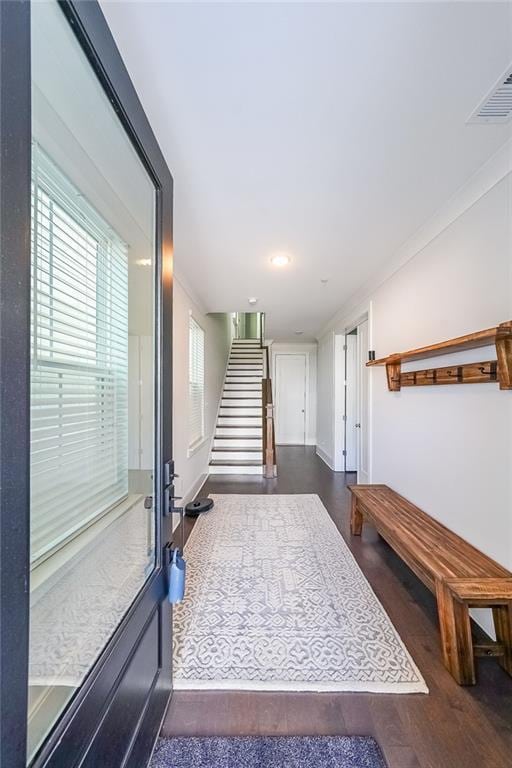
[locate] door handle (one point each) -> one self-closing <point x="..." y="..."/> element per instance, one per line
<point x="358" y="425"/>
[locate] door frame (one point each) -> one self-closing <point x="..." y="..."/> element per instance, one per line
<point x="339" y="386"/>
<point x="350" y="338"/>
<point x="86" y="725"/>
<point x="305" y="355"/>
<point x="348" y="331"/>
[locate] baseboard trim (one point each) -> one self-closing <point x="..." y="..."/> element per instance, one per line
<point x="325" y="457"/>
<point x="191" y="493"/>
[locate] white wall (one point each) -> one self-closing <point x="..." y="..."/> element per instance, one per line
<point x="192" y="467"/>
<point x="310" y="350"/>
<point x="448" y="449"/>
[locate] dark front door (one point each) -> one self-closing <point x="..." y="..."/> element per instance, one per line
<point x="85" y="397"/>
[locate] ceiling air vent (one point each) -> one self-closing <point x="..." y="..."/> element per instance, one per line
<point x="497" y="105"/>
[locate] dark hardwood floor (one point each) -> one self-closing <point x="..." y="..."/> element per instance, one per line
<point x="451" y="727"/>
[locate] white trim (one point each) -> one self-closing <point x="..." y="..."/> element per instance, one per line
<point x="192" y="449"/>
<point x="479" y="184"/>
<point x="190" y="495"/>
<point x="339" y="410"/>
<point x="257" y="685"/>
<point x="305" y="355"/>
<point x="194" y="488"/>
<point x="308" y="348"/>
<point x="325" y="457"/>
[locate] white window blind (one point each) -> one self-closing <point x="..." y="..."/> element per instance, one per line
<point x="79" y="354"/>
<point x="196" y="382"/>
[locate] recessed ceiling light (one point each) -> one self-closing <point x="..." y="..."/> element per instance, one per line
<point x="280" y="259"/>
<point x="252" y="300"/>
<point x="324" y="281"/>
<point x="143" y="262"/>
<point x="299" y="333"/>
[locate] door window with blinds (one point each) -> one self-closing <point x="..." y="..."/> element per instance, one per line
<point x="195" y="382"/>
<point x="93" y="423"/>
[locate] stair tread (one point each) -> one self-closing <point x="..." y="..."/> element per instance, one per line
<point x="241" y="416"/>
<point x="235" y="449"/>
<point x="240" y="426"/>
<point x="237" y="437"/>
<point x="240" y="407"/>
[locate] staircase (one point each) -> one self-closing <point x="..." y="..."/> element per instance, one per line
<point x="238" y="440"/>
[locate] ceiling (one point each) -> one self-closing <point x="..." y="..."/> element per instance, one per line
<point x="332" y="131"/>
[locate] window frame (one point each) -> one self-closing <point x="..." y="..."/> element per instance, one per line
<point x="194" y="444"/>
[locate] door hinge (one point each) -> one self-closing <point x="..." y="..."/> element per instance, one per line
<point x="345" y="347"/>
<point x="344" y="417"/>
<point x="343" y="453"/>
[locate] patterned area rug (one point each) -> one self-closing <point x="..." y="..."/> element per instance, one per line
<point x="270" y="752"/>
<point x="276" y="602"/>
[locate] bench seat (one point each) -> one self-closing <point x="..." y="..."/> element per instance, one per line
<point x="457" y="573"/>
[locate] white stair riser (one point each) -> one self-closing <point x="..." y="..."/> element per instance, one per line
<point x="240" y="455"/>
<point x="253" y="402"/>
<point x="243" y="380"/>
<point x="243" y="366"/>
<point x="241" y="387"/>
<point x="227" y="470"/>
<point x="250" y="370"/>
<point x="249" y="375"/>
<point x="238" y="442"/>
<point x="241" y="411"/>
<point x="237" y="421"/>
<point x="246" y="342"/>
<point x="245" y="358"/>
<point x="233" y="432"/>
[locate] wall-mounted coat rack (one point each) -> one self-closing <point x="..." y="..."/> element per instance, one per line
<point x="499" y="370"/>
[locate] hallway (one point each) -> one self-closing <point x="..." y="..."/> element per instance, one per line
<point x="450" y="727"/>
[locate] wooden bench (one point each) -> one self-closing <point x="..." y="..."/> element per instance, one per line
<point x="457" y="573"/>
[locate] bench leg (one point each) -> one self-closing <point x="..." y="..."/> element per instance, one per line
<point x="356" y="518"/>
<point x="456" y="641"/>
<point x="502" y="615"/>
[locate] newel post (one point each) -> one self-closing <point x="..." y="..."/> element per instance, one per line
<point x="270" y="464"/>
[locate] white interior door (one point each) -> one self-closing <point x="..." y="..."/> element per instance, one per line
<point x="362" y="390"/>
<point x="290" y="388"/>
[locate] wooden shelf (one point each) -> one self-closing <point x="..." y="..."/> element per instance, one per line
<point x="469" y="373"/>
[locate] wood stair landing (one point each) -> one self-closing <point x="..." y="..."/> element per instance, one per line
<point x="238" y="440"/>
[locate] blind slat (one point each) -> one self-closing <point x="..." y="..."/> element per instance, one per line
<point x="79" y="356"/>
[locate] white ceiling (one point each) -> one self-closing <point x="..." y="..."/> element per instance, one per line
<point x="333" y="131"/>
